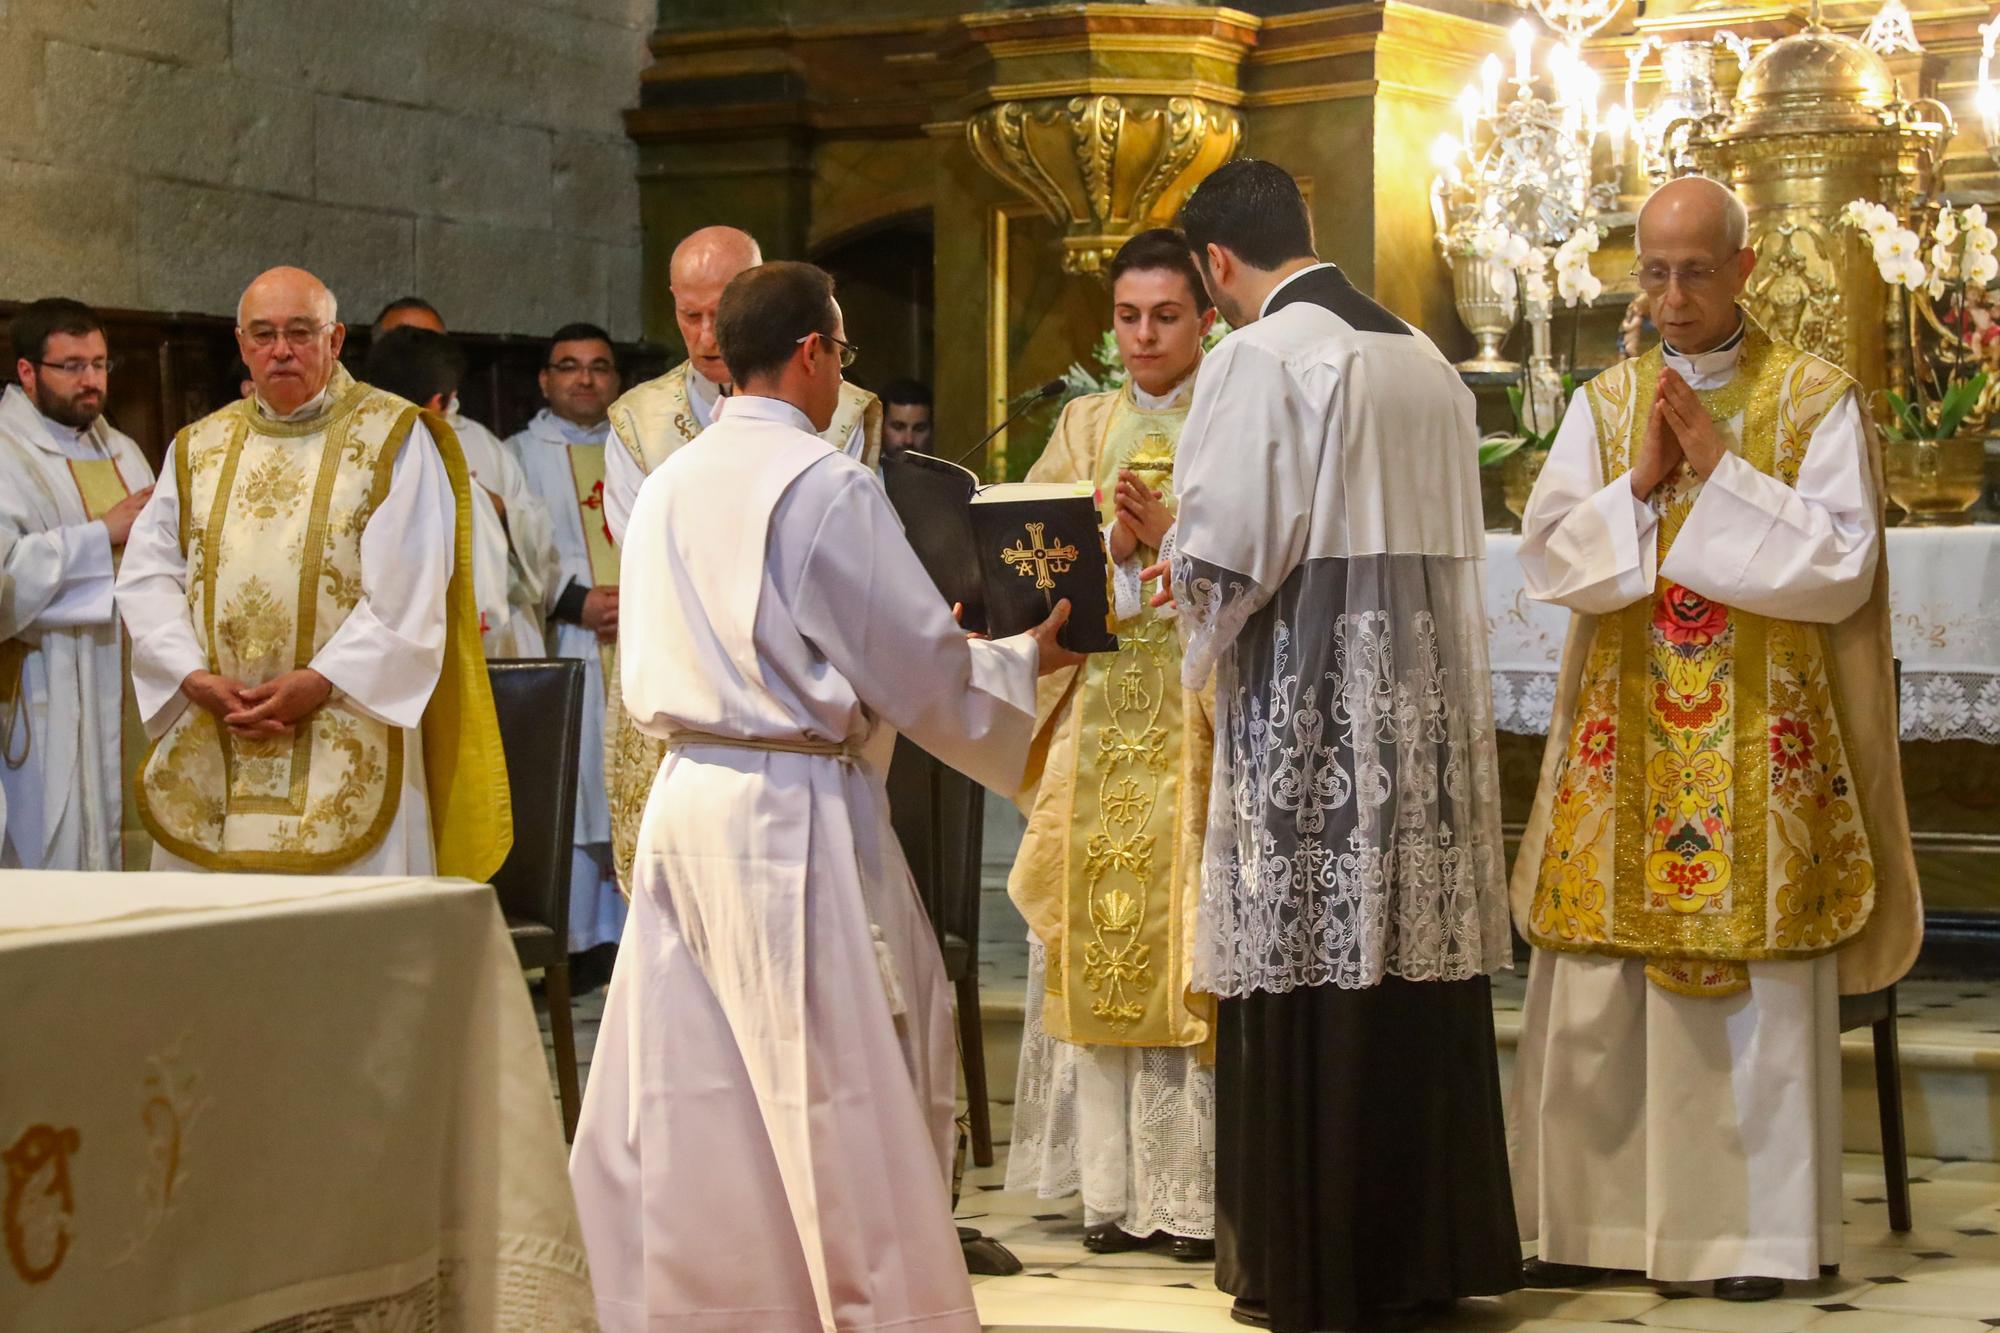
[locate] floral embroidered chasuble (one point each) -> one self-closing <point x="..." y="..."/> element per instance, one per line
<point x="1704" y="811"/>
<point x="1110" y="865"/>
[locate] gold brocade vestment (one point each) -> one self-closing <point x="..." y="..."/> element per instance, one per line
<point x="272" y="517"/>
<point x="650" y="422"/>
<point x="1110" y="865"/>
<point x="1703" y="805"/>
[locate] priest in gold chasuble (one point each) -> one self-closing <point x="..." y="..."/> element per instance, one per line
<point x="562" y="453"/>
<point x="1718" y="848"/>
<point x="649" y="424"/>
<point x="70" y="488"/>
<point x="1116" y="1092"/>
<point x="305" y="649"/>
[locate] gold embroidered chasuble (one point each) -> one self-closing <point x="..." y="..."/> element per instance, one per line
<point x="650" y="422"/>
<point x="1109" y="868"/>
<point x="1720" y="787"/>
<point x="272" y="517"/>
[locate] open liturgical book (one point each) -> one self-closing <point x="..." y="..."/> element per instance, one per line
<point x="1008" y="552"/>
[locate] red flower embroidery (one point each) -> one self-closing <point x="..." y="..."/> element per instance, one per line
<point x="596" y="501"/>
<point x="1791" y="744"/>
<point x="1689" y="618"/>
<point x="1598" y="742"/>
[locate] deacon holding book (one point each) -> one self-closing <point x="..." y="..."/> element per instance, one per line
<point x="1116" y="1092"/>
<point x="1327" y="562"/>
<point x="1719" y="848"/>
<point x="775" y="1072"/>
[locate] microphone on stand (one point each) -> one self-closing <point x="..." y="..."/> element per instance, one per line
<point x="1034" y="398"/>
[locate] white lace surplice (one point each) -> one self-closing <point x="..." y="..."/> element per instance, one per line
<point x="1328" y="564"/>
<point x="1130" y="1128"/>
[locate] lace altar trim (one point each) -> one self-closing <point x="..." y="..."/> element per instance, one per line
<point x="533" y="1285"/>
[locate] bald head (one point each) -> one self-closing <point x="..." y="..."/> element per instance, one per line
<point x="702" y="265"/>
<point x="1694" y="259"/>
<point x="288" y="330"/>
<point x="292" y="291"/>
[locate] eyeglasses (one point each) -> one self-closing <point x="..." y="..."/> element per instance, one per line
<point x="264" y="337"/>
<point x="571" y="366"/>
<point x="1693" y="278"/>
<point x="102" y="365"/>
<point x="848" y="351"/>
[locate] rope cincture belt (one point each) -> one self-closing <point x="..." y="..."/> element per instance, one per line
<point x="847" y="752"/>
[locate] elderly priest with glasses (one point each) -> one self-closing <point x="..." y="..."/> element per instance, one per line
<point x="305" y="649"/>
<point x="1718" y="849"/>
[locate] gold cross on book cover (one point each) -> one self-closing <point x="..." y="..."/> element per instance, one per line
<point x="1007" y="552"/>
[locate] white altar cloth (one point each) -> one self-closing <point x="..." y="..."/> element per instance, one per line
<point x="275" y="1103"/>
<point x="1944" y="606"/>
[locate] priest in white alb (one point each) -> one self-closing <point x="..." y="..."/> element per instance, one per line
<point x="70" y="488"/>
<point x="1718" y="848"/>
<point x="304" y="646"/>
<point x="562" y="451"/>
<point x="767" y="1135"/>
<point x="652" y="420"/>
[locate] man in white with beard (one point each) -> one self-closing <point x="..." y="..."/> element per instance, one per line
<point x="767" y="1135"/>
<point x="70" y="488"/>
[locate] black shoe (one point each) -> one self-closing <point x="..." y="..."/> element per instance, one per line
<point x="1748" y="1288"/>
<point x="1190" y="1250"/>
<point x="591" y="969"/>
<point x="1110" y="1238"/>
<point x="1254" y="1313"/>
<point x="1542" y="1275"/>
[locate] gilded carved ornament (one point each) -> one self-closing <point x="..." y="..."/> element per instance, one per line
<point x="1101" y="166"/>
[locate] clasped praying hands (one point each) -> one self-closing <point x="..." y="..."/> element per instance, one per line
<point x="253" y="712"/>
<point x="1679" y="429"/>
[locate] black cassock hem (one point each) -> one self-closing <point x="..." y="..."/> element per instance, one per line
<point x="1361" y="1151"/>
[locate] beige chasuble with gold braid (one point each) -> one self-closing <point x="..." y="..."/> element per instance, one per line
<point x="650" y="422"/>
<point x="1110" y="865"/>
<point x="273" y="513"/>
<point x="1705" y="800"/>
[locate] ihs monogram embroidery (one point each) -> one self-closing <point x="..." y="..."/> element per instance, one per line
<point x="1043" y="561"/>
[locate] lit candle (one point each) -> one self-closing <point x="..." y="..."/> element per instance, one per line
<point x="1618" y="125"/>
<point x="1444" y="152"/>
<point x="1489" y="75"/>
<point x="1524" y="50"/>
<point x="1468" y="112"/>
<point x="1588" y="85"/>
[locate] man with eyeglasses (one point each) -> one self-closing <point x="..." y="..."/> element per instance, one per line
<point x="651" y="422"/>
<point x="513" y="538"/>
<point x="304" y="650"/>
<point x="70" y="488"/>
<point x="563" y="453"/>
<point x="1719" y="849"/>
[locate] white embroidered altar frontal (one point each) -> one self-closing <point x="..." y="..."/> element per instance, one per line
<point x="1944" y="605"/>
<point x="269" y="1103"/>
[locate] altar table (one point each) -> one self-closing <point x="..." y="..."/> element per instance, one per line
<point x="277" y="1104"/>
<point x="1944" y="607"/>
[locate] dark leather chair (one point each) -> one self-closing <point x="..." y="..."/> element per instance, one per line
<point x="540" y="706"/>
<point x="1877" y="1010"/>
<point x="939" y="815"/>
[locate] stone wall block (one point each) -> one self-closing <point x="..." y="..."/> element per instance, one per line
<point x="68" y="233"/>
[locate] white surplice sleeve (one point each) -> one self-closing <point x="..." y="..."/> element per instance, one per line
<point x="1804" y="552"/>
<point x="61" y="576"/>
<point x="152" y="599"/>
<point x="1242" y="481"/>
<point x="1586" y="543"/>
<point x="865" y="602"/>
<point x="387" y="654"/>
<point x="622" y="479"/>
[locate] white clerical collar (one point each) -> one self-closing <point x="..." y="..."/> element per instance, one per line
<point x="68" y="438"/>
<point x="1265" y="308"/>
<point x="741" y="407"/>
<point x="1150" y="402"/>
<point x="703" y="394"/>
<point x="310" y="407"/>
<point x="1706" y="370"/>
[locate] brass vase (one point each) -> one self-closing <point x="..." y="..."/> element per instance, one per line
<point x="1484" y="290"/>
<point x="1518" y="472"/>
<point x="1935" y="482"/>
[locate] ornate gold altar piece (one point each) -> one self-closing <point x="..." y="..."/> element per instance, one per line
<point x="1104" y="167"/>
<point x="1816" y="122"/>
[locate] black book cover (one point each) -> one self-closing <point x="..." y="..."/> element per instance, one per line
<point x="1007" y="552"/>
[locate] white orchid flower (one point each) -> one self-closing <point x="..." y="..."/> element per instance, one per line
<point x="1974" y="216"/>
<point x="1893" y="247"/>
<point x="1946" y="230"/>
<point x="1980" y="240"/>
<point x="1982" y="268"/>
